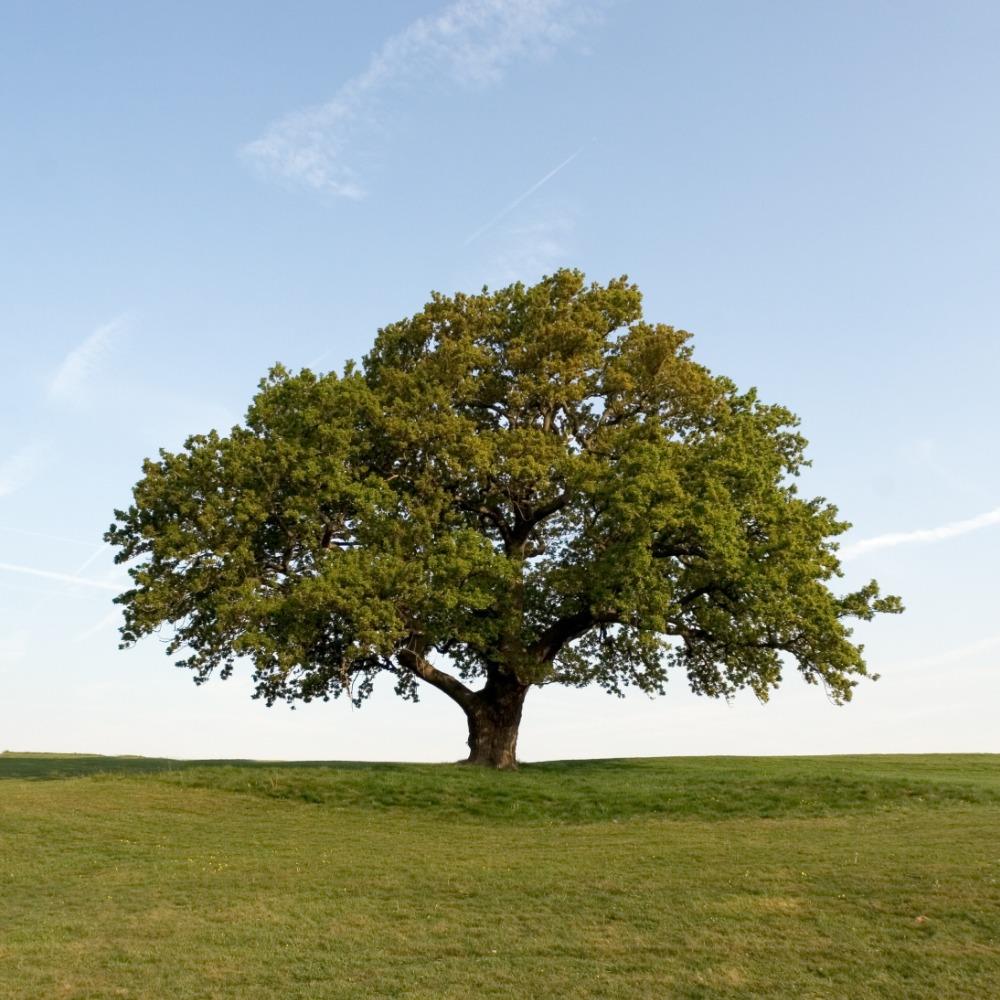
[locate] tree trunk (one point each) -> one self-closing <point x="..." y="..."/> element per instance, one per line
<point x="494" y="718"/>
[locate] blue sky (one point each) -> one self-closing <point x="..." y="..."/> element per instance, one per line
<point x="191" y="192"/>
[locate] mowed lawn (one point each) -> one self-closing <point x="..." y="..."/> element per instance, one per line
<point x="841" y="877"/>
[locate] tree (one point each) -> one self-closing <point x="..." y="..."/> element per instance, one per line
<point x="525" y="487"/>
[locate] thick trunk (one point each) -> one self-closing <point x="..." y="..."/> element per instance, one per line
<point x="494" y="713"/>
<point x="494" y="718"/>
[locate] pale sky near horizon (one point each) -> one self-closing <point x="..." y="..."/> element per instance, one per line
<point x="192" y="192"/>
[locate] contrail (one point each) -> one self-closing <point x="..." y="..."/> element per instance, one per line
<point x="62" y="577"/>
<point x="107" y="620"/>
<point x="46" y="535"/>
<point x="527" y="194"/>
<point x="951" y="530"/>
<point x="75" y="575"/>
<point x="86" y="562"/>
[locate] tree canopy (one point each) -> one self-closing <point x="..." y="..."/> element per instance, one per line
<point x="521" y="487"/>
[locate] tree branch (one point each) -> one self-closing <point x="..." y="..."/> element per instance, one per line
<point x="538" y="514"/>
<point x="413" y="660"/>
<point x="527" y="518"/>
<point x="666" y="550"/>
<point x="566" y="630"/>
<point x="498" y="521"/>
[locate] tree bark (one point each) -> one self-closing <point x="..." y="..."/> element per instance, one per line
<point x="493" y="712"/>
<point x="494" y="718"/>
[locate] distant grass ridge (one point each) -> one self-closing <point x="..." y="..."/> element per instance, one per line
<point x="597" y="791"/>
<point x="575" y="791"/>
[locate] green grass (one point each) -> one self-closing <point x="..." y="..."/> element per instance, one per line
<point x="841" y="877"/>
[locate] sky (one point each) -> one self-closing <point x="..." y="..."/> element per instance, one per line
<point x="192" y="192"/>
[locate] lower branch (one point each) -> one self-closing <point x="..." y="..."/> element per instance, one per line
<point x="426" y="671"/>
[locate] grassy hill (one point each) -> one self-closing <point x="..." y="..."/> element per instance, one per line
<point x="839" y="877"/>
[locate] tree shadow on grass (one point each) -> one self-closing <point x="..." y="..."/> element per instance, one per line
<point x="43" y="766"/>
<point x="54" y="766"/>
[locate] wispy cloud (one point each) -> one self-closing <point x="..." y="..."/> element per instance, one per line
<point x="110" y="619"/>
<point x="46" y="535"/>
<point x="486" y="226"/>
<point x="45" y="574"/>
<point x="957" y="654"/>
<point x="951" y="530"/>
<point x="78" y="368"/>
<point x="13" y="649"/>
<point x="20" y="468"/>
<point x="930" y="455"/>
<point x="90" y="559"/>
<point x="526" y="252"/>
<point x="468" y="43"/>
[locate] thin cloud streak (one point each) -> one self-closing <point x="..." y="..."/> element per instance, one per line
<point x="45" y="574"/>
<point x="108" y="620"/>
<point x="77" y="573"/>
<point x="955" y="655"/>
<point x="945" y="531"/>
<point x="526" y="252"/>
<point x="18" y="470"/>
<point x="71" y="378"/>
<point x="93" y="555"/>
<point x="13" y="648"/>
<point x="46" y="535"/>
<point x="521" y="197"/>
<point x="469" y="43"/>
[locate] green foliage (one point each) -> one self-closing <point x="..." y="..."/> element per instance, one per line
<point x="533" y="484"/>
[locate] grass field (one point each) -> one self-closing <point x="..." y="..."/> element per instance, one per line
<point x="839" y="877"/>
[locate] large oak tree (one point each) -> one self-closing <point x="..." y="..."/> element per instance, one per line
<point x="525" y="487"/>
